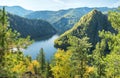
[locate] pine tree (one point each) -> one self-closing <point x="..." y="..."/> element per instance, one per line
<point x="114" y="19"/>
<point x="98" y="56"/>
<point x="8" y="41"/>
<point x="48" y="72"/>
<point x="3" y="26"/>
<point x="41" y="59"/>
<point x="113" y="59"/>
<point x="80" y="49"/>
<point x="111" y="63"/>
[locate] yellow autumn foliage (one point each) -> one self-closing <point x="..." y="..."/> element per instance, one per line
<point x="35" y="63"/>
<point x="19" y="68"/>
<point x="62" y="68"/>
<point x="32" y="65"/>
<point x="90" y="69"/>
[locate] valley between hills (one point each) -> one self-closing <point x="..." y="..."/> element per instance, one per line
<point x="73" y="43"/>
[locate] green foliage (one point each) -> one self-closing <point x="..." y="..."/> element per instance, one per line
<point x="80" y="54"/>
<point x="108" y="66"/>
<point x="111" y="61"/>
<point x="98" y="57"/>
<point x="48" y="72"/>
<point x="41" y="59"/>
<point x="115" y="20"/>
<point x="105" y="56"/>
<point x="15" y="64"/>
<point x="10" y="39"/>
<point x="112" y="65"/>
<point x="11" y="46"/>
<point x="77" y="57"/>
<point x="88" y="25"/>
<point x="76" y="60"/>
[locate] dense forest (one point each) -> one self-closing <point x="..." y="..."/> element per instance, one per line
<point x="91" y="49"/>
<point x="35" y="28"/>
<point x="89" y="25"/>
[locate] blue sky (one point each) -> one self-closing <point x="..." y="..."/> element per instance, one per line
<point x="59" y="4"/>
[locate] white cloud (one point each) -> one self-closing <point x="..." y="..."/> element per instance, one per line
<point x="116" y="4"/>
<point x="59" y="1"/>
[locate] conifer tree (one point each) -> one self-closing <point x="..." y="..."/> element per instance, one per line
<point x="98" y="56"/>
<point x="48" y="72"/>
<point x="110" y="64"/>
<point x="80" y="49"/>
<point x="3" y="26"/>
<point x="41" y="59"/>
<point x="10" y="40"/>
<point x="112" y="60"/>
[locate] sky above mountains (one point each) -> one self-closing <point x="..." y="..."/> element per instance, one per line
<point x="59" y="4"/>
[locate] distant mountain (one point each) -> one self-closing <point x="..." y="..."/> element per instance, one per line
<point x="51" y="16"/>
<point x="61" y="20"/>
<point x="32" y="27"/>
<point x="17" y="10"/>
<point x="88" y="25"/>
<point x="64" y="24"/>
<point x="64" y="19"/>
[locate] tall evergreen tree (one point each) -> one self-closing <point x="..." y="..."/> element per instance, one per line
<point x="3" y="26"/>
<point x="114" y="19"/>
<point x="98" y="56"/>
<point x="41" y="59"/>
<point x="80" y="48"/>
<point x="48" y="72"/>
<point x="9" y="40"/>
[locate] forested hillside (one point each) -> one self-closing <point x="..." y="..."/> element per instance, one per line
<point x="89" y="25"/>
<point x="90" y="49"/>
<point x="61" y="20"/>
<point x="31" y="27"/>
<point x="64" y="19"/>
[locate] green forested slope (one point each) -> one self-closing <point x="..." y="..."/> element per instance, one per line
<point x="88" y="25"/>
<point x="32" y="27"/>
<point x="63" y="20"/>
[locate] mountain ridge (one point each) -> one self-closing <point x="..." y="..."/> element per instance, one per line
<point x="31" y="27"/>
<point x="69" y="17"/>
<point x="61" y="20"/>
<point x="17" y="10"/>
<point x="89" y="25"/>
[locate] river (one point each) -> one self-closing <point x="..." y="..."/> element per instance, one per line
<point x="46" y="44"/>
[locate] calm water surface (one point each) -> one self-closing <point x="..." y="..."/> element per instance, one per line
<point x="46" y="44"/>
